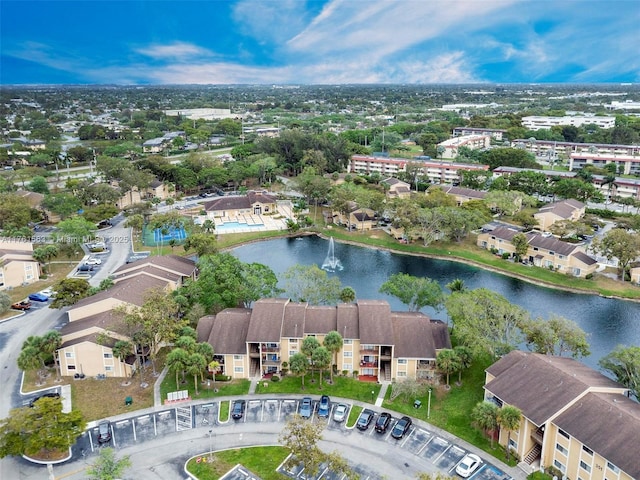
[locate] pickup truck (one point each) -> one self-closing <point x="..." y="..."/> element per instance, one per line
<point x="21" y="305"/>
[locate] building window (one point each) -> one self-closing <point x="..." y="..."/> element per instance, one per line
<point x="108" y="368"/>
<point x="587" y="449"/>
<point x="612" y="467"/>
<point x="347" y="354"/>
<point x="238" y="369"/>
<point x="559" y="466"/>
<point x="293" y="341"/>
<point x="513" y="444"/>
<point x="402" y="374"/>
<point x="71" y="367"/>
<point x="107" y="355"/>
<point x="402" y="361"/>
<point x="561" y="449"/>
<point x="347" y="342"/>
<point x="292" y="353"/>
<point x="347" y="366"/>
<point x="563" y="433"/>
<point x="584" y="466"/>
<point x="68" y="354"/>
<point x="237" y="357"/>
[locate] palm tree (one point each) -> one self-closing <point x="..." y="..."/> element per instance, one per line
<point x="309" y="345"/>
<point x="49" y="345"/>
<point x="29" y="358"/>
<point x="456" y="285"/>
<point x="299" y="365"/>
<point x="485" y="416"/>
<point x="509" y="418"/>
<point x="196" y="363"/>
<point x="177" y="361"/>
<point x="333" y="342"/>
<point x="321" y="359"/>
<point x="465" y="357"/>
<point x="208" y="226"/>
<point x="610" y="181"/>
<point x="206" y="350"/>
<point x="122" y="349"/>
<point x="213" y="367"/>
<point x="447" y="362"/>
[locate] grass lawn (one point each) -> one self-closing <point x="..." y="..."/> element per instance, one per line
<point x="206" y="390"/>
<point x="59" y="271"/>
<point x="346" y="387"/>
<point x="451" y="409"/>
<point x="223" y="413"/>
<point x="354" y="413"/>
<point x="262" y="461"/>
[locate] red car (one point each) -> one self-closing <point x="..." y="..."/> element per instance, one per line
<point x="21" y="305"/>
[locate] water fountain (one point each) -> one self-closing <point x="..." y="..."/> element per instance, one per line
<point x="331" y="263"/>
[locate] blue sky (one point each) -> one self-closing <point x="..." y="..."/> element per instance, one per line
<point x="319" y="41"/>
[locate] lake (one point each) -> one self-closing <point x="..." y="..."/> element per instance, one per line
<point x="609" y="322"/>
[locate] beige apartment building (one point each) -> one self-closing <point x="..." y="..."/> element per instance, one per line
<point x="378" y="344"/>
<point x="93" y="327"/>
<point x="236" y="207"/>
<point x="570" y="210"/>
<point x="544" y="251"/>
<point x="573" y="418"/>
<point x="17" y="266"/>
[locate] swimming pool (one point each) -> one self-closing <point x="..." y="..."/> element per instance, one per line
<point x="238" y="227"/>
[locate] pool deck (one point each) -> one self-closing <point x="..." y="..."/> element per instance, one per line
<point x="250" y="223"/>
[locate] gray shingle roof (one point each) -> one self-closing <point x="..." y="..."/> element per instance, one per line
<point x="228" y="331"/>
<point x="375" y="327"/>
<point x="239" y="202"/>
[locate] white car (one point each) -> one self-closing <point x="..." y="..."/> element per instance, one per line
<point x="340" y="412"/>
<point x="93" y="261"/>
<point x="49" y="292"/>
<point x="468" y="465"/>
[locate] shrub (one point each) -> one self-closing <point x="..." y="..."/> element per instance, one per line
<point x="275" y="378"/>
<point x="506" y="255"/>
<point x="589" y="276"/>
<point x="222" y="378"/>
<point x="345" y="372"/>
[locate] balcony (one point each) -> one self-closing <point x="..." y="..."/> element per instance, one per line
<point x="364" y="364"/>
<point x="425" y="365"/>
<point x="369" y="351"/>
<point x="270" y="361"/>
<point x="264" y="348"/>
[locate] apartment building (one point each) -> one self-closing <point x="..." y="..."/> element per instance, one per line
<point x="544" y="251"/>
<point x="626" y="164"/>
<point x="462" y="194"/>
<point x="94" y="326"/>
<point x="451" y="147"/>
<point x="17" y="266"/>
<point x="435" y="171"/>
<point x="378" y="344"/>
<point x="540" y="122"/>
<point x="495" y="134"/>
<point x="396" y="188"/>
<point x="546" y="148"/>
<point x="573" y="418"/>
<point x="569" y="209"/>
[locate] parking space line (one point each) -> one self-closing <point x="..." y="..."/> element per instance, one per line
<point x="262" y="412"/>
<point x="454" y="447"/>
<point x="155" y="426"/>
<point x="133" y="427"/>
<point x="406" y="439"/>
<point x="443" y="452"/>
<point x="426" y="443"/>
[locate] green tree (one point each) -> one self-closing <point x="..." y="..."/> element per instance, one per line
<point x="258" y="281"/>
<point x="39" y="184"/>
<point x="624" y="363"/>
<point x="347" y="295"/>
<point x="456" y="285"/>
<point x="177" y="362"/>
<point x="448" y="362"/>
<point x="333" y="342"/>
<point x="201" y="243"/>
<point x="107" y="466"/>
<point x="5" y="302"/>
<point x="44" y="254"/>
<point x="621" y="244"/>
<point x="299" y="365"/>
<point x="122" y="349"/>
<point x="301" y="438"/>
<point x="62" y="204"/>
<point x="521" y="244"/>
<point x="321" y="359"/>
<point x="40" y="430"/>
<point x="485" y="416"/>
<point x="69" y="291"/>
<point x="465" y="358"/>
<point x="196" y="363"/>
<point x="414" y="292"/>
<point x="75" y="230"/>
<point x="309" y="283"/>
<point x="485" y="321"/>
<point x="509" y="418"/>
<point x="556" y="336"/>
<point x="14" y="211"/>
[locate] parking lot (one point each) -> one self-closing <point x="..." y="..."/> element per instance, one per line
<point x="425" y="445"/>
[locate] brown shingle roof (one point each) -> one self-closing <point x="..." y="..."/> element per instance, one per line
<point x="551" y="243"/>
<point x="541" y="385"/>
<point x="266" y="320"/>
<point x="108" y="320"/>
<point x="563" y="209"/>
<point x="320" y="319"/>
<point x="375" y="327"/>
<point x="464" y="192"/>
<point x="236" y="203"/>
<point x="584" y="258"/>
<point x="348" y="324"/>
<point x="294" y="320"/>
<point x="440" y="332"/>
<point x="174" y="263"/>
<point x="504" y="233"/>
<point x="614" y="421"/>
<point x="131" y="290"/>
<point x="412" y="335"/>
<point x="229" y="331"/>
<point x="151" y="272"/>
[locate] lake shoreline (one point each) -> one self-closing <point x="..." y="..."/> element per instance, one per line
<point x="452" y="258"/>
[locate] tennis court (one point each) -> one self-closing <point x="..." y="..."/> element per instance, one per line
<point x="163" y="237"/>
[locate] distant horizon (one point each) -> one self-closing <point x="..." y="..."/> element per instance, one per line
<point x="318" y="42"/>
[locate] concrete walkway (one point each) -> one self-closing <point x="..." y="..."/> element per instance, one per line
<point x="382" y="393"/>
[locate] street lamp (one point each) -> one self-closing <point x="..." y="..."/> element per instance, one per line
<point x="429" y="404"/>
<point x="210" y="445"/>
<point x="372" y="394"/>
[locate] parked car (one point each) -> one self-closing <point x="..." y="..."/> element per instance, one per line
<point x="340" y="412"/>
<point x="104" y="431"/>
<point x="85" y="268"/>
<point x="365" y="419"/>
<point x="24" y="305"/>
<point x="324" y="406"/>
<point x="105" y="224"/>
<point x="383" y="422"/>
<point x="49" y="292"/>
<point x="401" y="427"/>
<point x="238" y="409"/>
<point x="38" y="297"/>
<point x="44" y="395"/>
<point x="306" y="407"/>
<point x="93" y="261"/>
<point x="468" y="465"/>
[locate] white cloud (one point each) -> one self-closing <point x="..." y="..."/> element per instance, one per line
<point x="174" y="51"/>
<point x="271" y="21"/>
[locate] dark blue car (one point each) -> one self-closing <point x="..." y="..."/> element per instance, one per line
<point x="38" y="297"/>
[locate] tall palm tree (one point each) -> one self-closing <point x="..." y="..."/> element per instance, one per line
<point x="448" y="362"/>
<point x="299" y="365"/>
<point x="333" y="342"/>
<point x="465" y="357"/>
<point x="196" y="363"/>
<point x="51" y="342"/>
<point x="177" y="361"/>
<point x="485" y="416"/>
<point x="456" y="285"/>
<point x="122" y="349"/>
<point x="509" y="418"/>
<point x="321" y="359"/>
